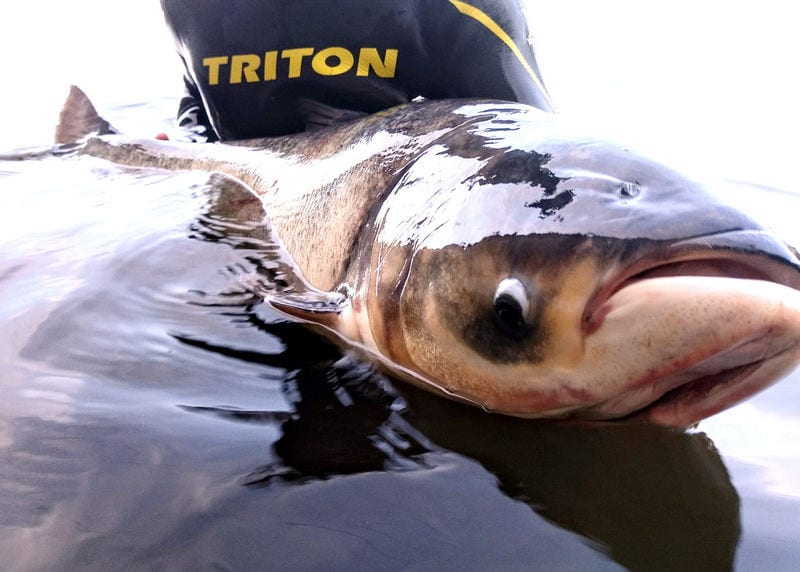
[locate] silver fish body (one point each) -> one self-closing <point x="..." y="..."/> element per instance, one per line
<point x="487" y="252"/>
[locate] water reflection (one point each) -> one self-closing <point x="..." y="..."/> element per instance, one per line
<point x="156" y="414"/>
<point x="651" y="496"/>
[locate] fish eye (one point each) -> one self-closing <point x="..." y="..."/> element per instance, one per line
<point x="511" y="305"/>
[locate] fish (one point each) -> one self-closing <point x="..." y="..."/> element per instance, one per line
<point x="497" y="255"/>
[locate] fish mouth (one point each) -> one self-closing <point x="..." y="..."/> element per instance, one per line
<point x="697" y="258"/>
<point x="707" y="387"/>
<point x="687" y="404"/>
<point x="711" y="373"/>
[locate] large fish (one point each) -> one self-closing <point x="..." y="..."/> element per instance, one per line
<point x="485" y="251"/>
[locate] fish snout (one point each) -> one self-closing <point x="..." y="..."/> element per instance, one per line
<point x="744" y="254"/>
<point x="674" y="349"/>
<point x="764" y="254"/>
<point x="694" y="327"/>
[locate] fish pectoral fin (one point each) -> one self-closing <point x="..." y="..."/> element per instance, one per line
<point x="315" y="306"/>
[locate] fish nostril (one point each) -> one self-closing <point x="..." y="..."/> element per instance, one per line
<point x="629" y="190"/>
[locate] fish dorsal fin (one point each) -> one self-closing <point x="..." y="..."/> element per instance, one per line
<point x="317" y="115"/>
<point x="79" y="119"/>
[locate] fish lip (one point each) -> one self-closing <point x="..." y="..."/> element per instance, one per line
<point x="694" y="257"/>
<point x="695" y="392"/>
<point x="684" y="403"/>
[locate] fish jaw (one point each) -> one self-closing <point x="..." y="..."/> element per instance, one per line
<point x="672" y="336"/>
<point x="674" y="350"/>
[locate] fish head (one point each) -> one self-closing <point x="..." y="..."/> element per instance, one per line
<point x="547" y="275"/>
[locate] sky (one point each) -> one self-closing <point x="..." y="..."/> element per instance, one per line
<point x="711" y="83"/>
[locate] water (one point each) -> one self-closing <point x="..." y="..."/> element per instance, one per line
<point x="156" y="415"/>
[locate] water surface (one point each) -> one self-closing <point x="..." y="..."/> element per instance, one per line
<point x="157" y="414"/>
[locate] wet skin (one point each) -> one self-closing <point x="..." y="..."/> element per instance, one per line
<point x="490" y="253"/>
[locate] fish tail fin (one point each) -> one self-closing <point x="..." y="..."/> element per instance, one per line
<point x="79" y="119"/>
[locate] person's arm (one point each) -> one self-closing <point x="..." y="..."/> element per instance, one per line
<point x="192" y="120"/>
<point x="192" y="116"/>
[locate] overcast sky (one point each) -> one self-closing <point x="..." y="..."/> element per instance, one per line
<point x="713" y="80"/>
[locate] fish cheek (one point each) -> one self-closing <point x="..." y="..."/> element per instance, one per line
<point x="460" y="290"/>
<point x="471" y="317"/>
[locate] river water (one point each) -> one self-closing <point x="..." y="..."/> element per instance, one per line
<point x="155" y="415"/>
